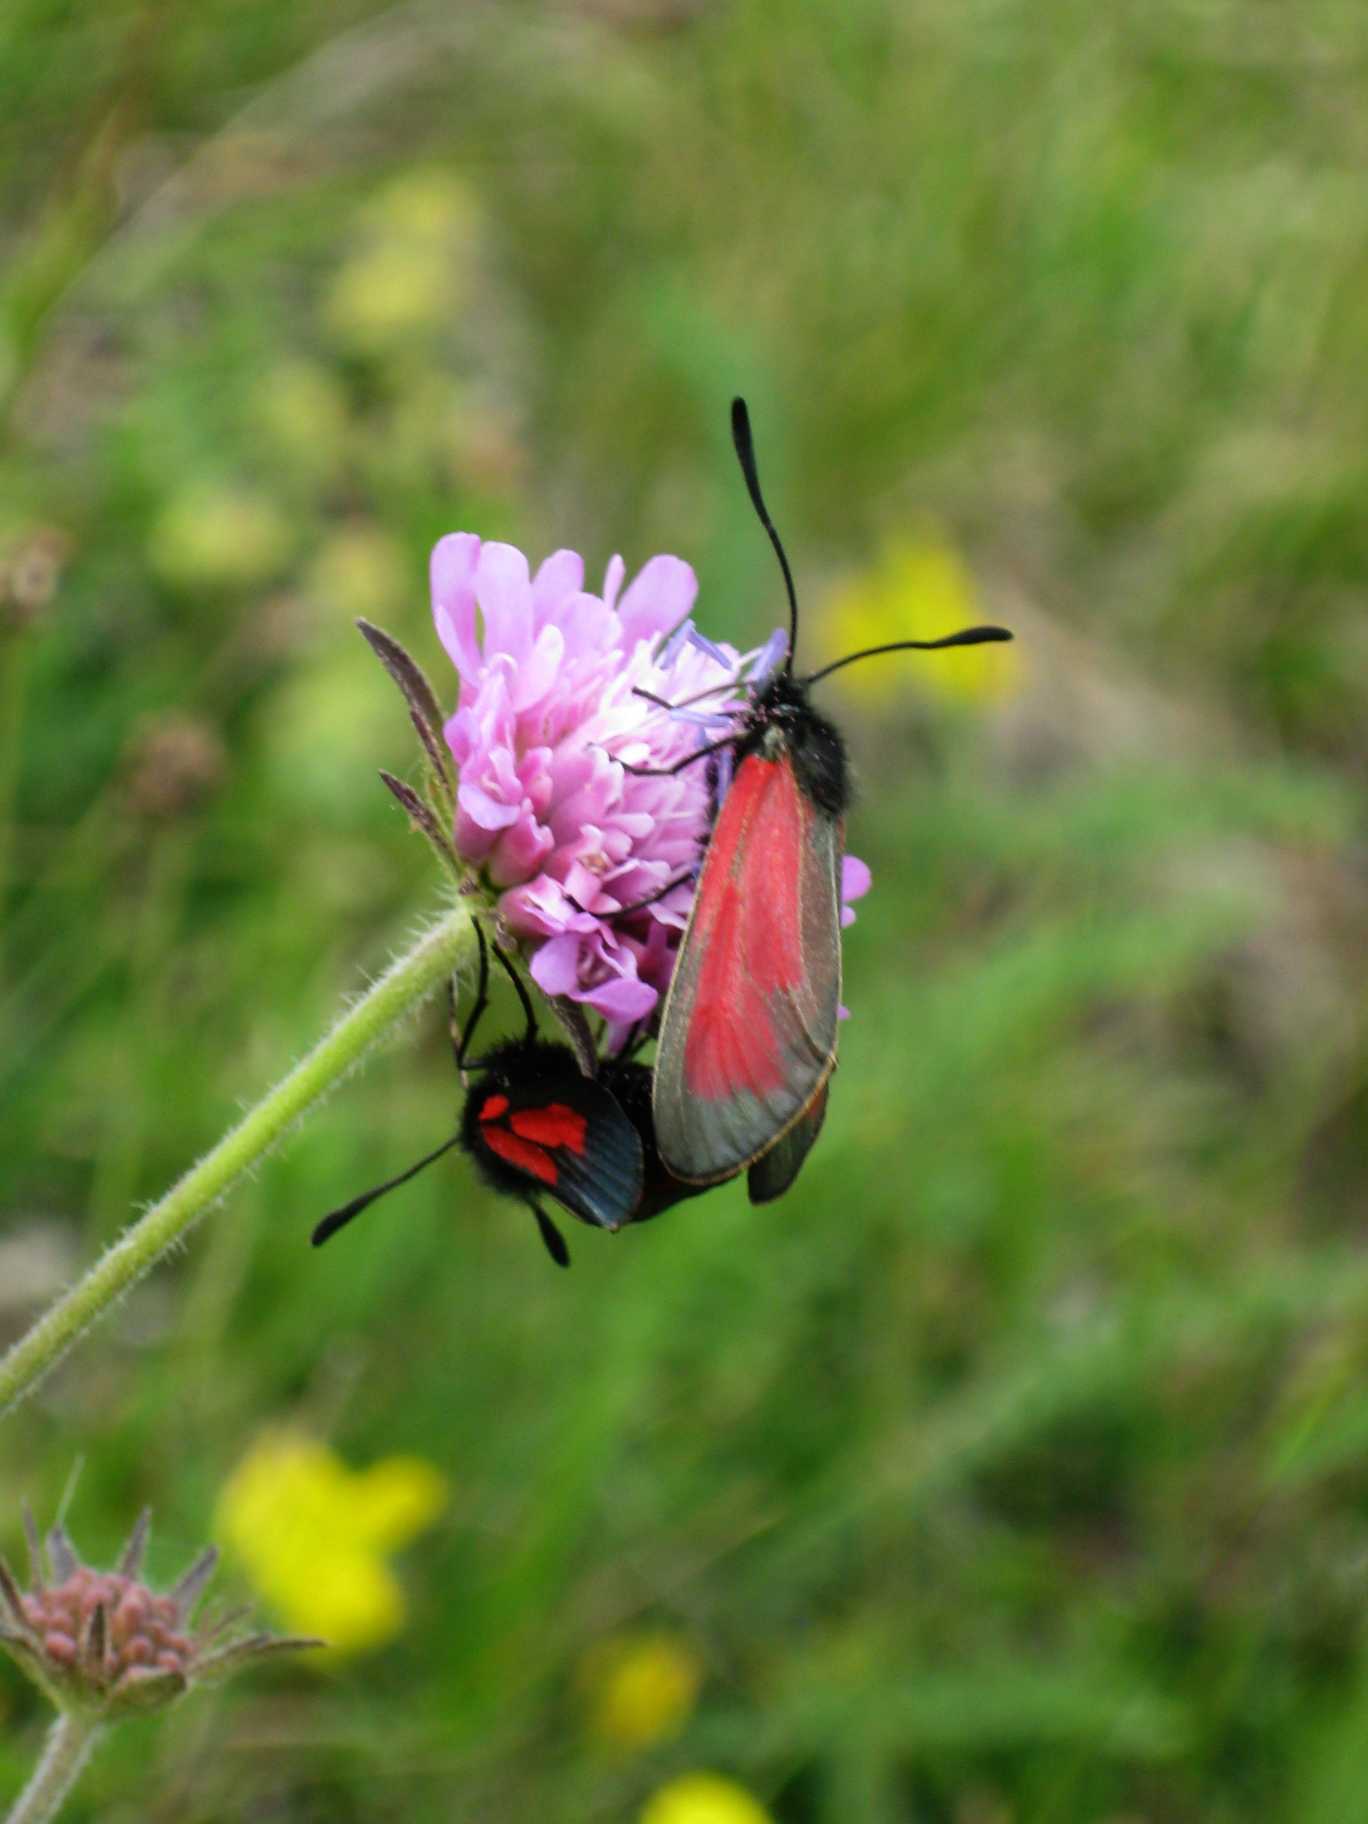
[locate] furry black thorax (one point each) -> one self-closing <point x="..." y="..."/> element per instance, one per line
<point x="781" y="718"/>
<point x="529" y="1075"/>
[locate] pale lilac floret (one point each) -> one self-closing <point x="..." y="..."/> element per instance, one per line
<point x="547" y="720"/>
<point x="855" y="882"/>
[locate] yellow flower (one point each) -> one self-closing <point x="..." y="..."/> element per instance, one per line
<point x="386" y="294"/>
<point x="313" y="1534"/>
<point x="215" y="536"/>
<point x="639" y="1688"/>
<point x="302" y="411"/>
<point x="360" y="570"/>
<point x="317" y="712"/>
<point x="426" y="206"/>
<point x="917" y="589"/>
<point x="410" y="270"/>
<point x="703" y="1798"/>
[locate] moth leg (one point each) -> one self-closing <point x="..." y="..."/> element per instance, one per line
<point x="551" y="1235"/>
<point x="668" y="772"/>
<point x="638" y="905"/>
<point x="462" y="1043"/>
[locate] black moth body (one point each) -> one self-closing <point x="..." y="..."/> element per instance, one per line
<point x="631" y="1084"/>
<point x="780" y="722"/>
<point x="533" y="1123"/>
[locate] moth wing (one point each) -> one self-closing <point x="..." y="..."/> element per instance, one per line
<point x="774" y="1172"/>
<point x="566" y="1137"/>
<point x="748" y="1034"/>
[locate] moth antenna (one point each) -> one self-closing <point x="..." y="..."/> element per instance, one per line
<point x="745" y="455"/>
<point x="340" y="1218"/>
<point x="967" y="636"/>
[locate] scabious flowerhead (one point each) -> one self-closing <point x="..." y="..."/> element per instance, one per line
<point x="104" y="1643"/>
<point x="548" y="720"/>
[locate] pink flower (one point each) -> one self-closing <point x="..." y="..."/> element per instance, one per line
<point x="545" y="719"/>
<point x="548" y="718"/>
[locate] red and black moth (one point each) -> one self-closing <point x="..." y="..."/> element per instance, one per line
<point x="536" y="1127"/>
<point x="748" y="1031"/>
<point x="767" y="1179"/>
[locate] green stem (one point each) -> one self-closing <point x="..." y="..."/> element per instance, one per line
<point x="69" y="1743"/>
<point x="140" y="1247"/>
<point x="13" y="670"/>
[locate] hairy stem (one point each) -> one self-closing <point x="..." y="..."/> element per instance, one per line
<point x="69" y="1743"/>
<point x="140" y="1247"/>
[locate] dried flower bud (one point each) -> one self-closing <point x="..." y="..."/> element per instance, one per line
<point x="104" y="1643"/>
<point x="30" y="573"/>
<point x="174" y="762"/>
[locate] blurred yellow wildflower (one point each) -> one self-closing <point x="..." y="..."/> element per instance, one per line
<point x="386" y="294"/>
<point x="302" y="411"/>
<point x="360" y="570"/>
<point x="426" y="206"/>
<point x="218" y="535"/>
<point x="703" y="1798"/>
<point x="639" y="1688"/>
<point x="408" y="272"/>
<point x="917" y="589"/>
<point x="313" y="1534"/>
<point x="316" y="712"/>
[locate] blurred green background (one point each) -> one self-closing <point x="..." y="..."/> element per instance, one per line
<point x="1014" y="1470"/>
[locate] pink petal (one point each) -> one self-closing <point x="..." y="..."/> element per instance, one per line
<point x="538" y="909"/>
<point x="583" y="886"/>
<point x="621" y="1000"/>
<point x="452" y="570"/>
<point x="502" y="774"/>
<point x="473" y="841"/>
<point x="588" y="625"/>
<point x="488" y="812"/>
<point x="462" y="731"/>
<point x="505" y="597"/>
<point x="612" y="580"/>
<point x="520" y="852"/>
<point x="658" y="599"/>
<point x="555" y="967"/>
<point x="538" y="775"/>
<point x="855" y="878"/>
<point x="536" y="677"/>
<point x="559" y="575"/>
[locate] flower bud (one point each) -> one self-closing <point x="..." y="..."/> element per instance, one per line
<point x="103" y="1642"/>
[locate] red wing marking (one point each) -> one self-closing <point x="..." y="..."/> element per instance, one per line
<point x="495" y="1107"/>
<point x="748" y="1034"/>
<point x="526" y="1155"/>
<point x="554" y="1125"/>
<point x="747" y="932"/>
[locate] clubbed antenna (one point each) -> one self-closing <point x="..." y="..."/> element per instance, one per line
<point x="340" y="1218"/>
<point x="745" y="455"/>
<point x="967" y="636"/>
